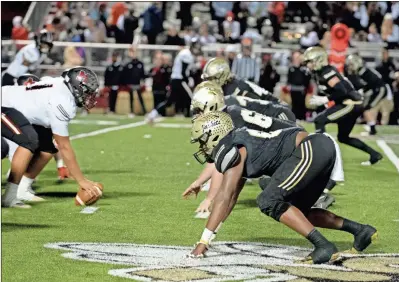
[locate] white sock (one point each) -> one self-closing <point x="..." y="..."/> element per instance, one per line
<point x="60" y="163"/>
<point x="371" y="123"/>
<point x="11" y="192"/>
<point x="24" y="186"/>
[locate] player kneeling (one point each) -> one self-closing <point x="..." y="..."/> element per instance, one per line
<point x="300" y="165"/>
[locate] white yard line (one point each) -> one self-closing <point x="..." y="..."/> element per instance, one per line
<point x="110" y="129"/>
<point x="97" y="122"/>
<point x="173" y="125"/>
<point x="390" y="154"/>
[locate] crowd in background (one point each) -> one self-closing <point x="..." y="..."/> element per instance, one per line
<point x="240" y="24"/>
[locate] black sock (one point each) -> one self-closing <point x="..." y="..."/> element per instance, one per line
<point x="351" y="226"/>
<point x="317" y="239"/>
<point x="331" y="184"/>
<point x="372" y="129"/>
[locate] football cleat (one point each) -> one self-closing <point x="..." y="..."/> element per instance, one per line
<point x="63" y="173"/>
<point x="324" y="201"/>
<point x="326" y="254"/>
<point x="373" y="160"/>
<point x="15" y="203"/>
<point x="363" y="239"/>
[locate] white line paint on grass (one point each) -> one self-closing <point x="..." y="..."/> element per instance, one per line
<point x="173" y="125"/>
<point x="96" y="122"/>
<point x="110" y="129"/>
<point x="390" y="154"/>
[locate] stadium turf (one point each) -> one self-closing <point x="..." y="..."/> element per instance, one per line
<point x="144" y="171"/>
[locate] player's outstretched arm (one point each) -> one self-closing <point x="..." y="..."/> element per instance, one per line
<point x="224" y="201"/>
<point x="64" y="145"/>
<point x="216" y="182"/>
<point x="205" y="175"/>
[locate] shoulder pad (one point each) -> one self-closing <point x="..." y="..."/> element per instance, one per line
<point x="226" y="157"/>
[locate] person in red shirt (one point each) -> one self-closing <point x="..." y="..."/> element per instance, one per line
<point x="19" y="32"/>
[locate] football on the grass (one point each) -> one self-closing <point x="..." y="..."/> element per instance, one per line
<point x="84" y="198"/>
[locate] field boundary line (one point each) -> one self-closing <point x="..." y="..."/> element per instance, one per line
<point x="389" y="152"/>
<point x="111" y="129"/>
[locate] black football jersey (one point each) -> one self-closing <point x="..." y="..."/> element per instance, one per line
<point x="260" y="106"/>
<point x="266" y="151"/>
<point x="372" y="79"/>
<point x="338" y="95"/>
<point x="240" y="87"/>
<point x="253" y="120"/>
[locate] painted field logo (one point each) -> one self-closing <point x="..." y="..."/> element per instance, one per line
<point x="229" y="261"/>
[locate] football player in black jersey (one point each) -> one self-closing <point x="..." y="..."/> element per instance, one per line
<point x="348" y="102"/>
<point x="218" y="70"/>
<point x="300" y="165"/>
<point x="370" y="83"/>
<point x="208" y="97"/>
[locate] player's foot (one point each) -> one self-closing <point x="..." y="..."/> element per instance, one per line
<point x="326" y="254"/>
<point x="63" y="173"/>
<point x="29" y="197"/>
<point x="324" y="201"/>
<point x="131" y="115"/>
<point x="15" y="203"/>
<point x="373" y="160"/>
<point x="152" y="116"/>
<point x="363" y="239"/>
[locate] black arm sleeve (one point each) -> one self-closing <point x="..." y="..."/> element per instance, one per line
<point x="184" y="70"/>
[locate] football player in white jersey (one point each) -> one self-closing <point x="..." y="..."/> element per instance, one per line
<point x="28" y="58"/>
<point x="33" y="120"/>
<point x="179" y="89"/>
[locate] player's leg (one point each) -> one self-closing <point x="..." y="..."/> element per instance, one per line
<point x="131" y="103"/>
<point x="290" y="193"/>
<point x="375" y="102"/>
<point x="328" y="116"/>
<point x="16" y="127"/>
<point x="170" y="100"/>
<point x="345" y="126"/>
<point x="112" y="100"/>
<point x="140" y="95"/>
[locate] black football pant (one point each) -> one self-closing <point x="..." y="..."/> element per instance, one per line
<point x="7" y="79"/>
<point x="345" y="117"/>
<point x="159" y="97"/>
<point x="300" y="180"/>
<point x="180" y="95"/>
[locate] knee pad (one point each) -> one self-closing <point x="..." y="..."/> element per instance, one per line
<point x="30" y="142"/>
<point x="272" y="207"/>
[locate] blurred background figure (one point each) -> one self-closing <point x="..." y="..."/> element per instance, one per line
<point x="173" y="37"/>
<point x="231" y="53"/>
<point x="19" y="31"/>
<point x="270" y="76"/>
<point x="219" y="12"/>
<point x="160" y="74"/>
<point x="204" y="37"/>
<point x="252" y="32"/>
<point x="231" y="29"/>
<point x="390" y="32"/>
<point x="132" y="79"/>
<point x="153" y="22"/>
<point x="310" y="38"/>
<point x="395" y="113"/>
<point x="112" y="80"/>
<point x="298" y="86"/>
<point x="246" y="65"/>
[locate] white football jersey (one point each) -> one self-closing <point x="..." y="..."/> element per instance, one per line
<point x="47" y="103"/>
<point x="29" y="53"/>
<point x="184" y="56"/>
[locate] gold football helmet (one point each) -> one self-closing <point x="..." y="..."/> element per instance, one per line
<point x="217" y="70"/>
<point x="207" y="100"/>
<point x="354" y="63"/>
<point x="317" y="56"/>
<point x="208" y="130"/>
<point x="209" y="84"/>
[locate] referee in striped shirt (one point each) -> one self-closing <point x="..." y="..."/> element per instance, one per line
<point x="246" y="65"/>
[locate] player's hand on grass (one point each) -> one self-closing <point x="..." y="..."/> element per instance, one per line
<point x="89" y="186"/>
<point x="193" y="189"/>
<point x="204" y="206"/>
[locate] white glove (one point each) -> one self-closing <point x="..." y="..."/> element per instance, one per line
<point x="318" y="100"/>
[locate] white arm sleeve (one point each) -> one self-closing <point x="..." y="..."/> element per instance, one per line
<point x="31" y="55"/>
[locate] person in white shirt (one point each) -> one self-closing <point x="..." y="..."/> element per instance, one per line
<point x="179" y="89"/>
<point x="32" y="116"/>
<point x="28" y="58"/>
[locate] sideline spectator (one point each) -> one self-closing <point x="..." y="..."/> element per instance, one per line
<point x="185" y="14"/>
<point x="310" y="38"/>
<point x="276" y="14"/>
<point x="206" y="38"/>
<point x="231" y="53"/>
<point x="132" y="79"/>
<point x="395" y="114"/>
<point x="19" y="32"/>
<point x="160" y="74"/>
<point x="252" y="32"/>
<point x="270" y="76"/>
<point x="173" y="37"/>
<point x="153" y="22"/>
<point x="117" y="10"/>
<point x="386" y="68"/>
<point x="390" y="31"/>
<point x="246" y="65"/>
<point x="219" y="12"/>
<point x="231" y="29"/>
<point x="112" y="77"/>
<point x="373" y="35"/>
<point x="259" y="11"/>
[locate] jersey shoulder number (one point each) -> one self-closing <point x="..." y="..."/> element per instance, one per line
<point x="255" y="118"/>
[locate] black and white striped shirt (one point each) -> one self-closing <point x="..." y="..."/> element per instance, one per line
<point x="246" y="67"/>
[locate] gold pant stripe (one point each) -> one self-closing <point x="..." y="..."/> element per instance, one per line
<point x="306" y="169"/>
<point x="341" y="112"/>
<point x="296" y="168"/>
<point x="301" y="168"/>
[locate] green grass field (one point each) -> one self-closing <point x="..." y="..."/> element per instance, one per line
<point x="143" y="180"/>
